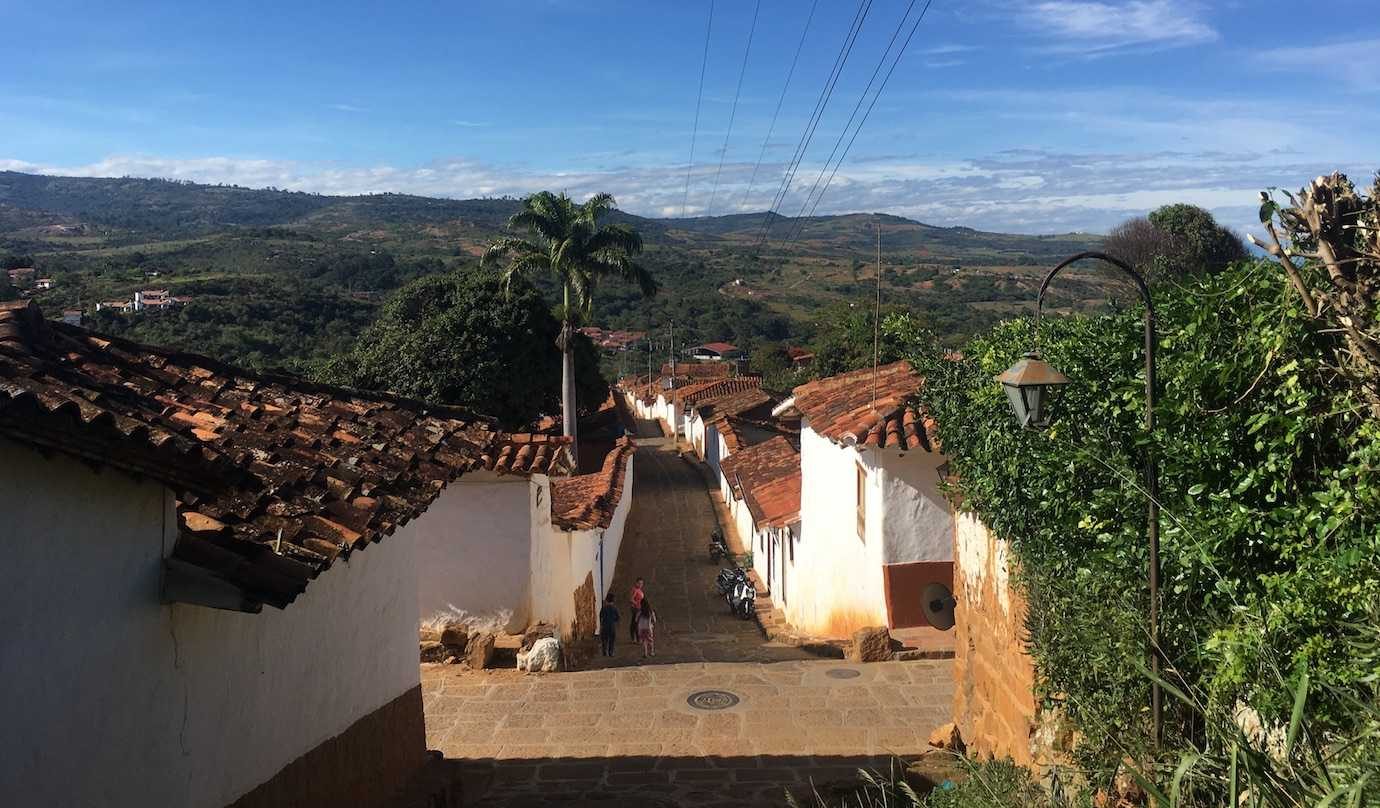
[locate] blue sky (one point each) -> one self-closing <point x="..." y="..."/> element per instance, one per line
<point x="1033" y="116"/>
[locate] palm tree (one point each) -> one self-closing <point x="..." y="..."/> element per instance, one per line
<point x="566" y="239"/>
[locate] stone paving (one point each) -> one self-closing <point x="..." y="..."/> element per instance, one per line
<point x="623" y="732"/>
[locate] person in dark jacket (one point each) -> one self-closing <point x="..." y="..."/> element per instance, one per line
<point x="608" y="623"/>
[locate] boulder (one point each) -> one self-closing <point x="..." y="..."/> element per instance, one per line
<point x="429" y="634"/>
<point x="947" y="738"/>
<point x="432" y="651"/>
<point x="479" y="650"/>
<point x="543" y="657"/>
<point x="871" y="644"/>
<point x="455" y="637"/>
<point x="536" y="632"/>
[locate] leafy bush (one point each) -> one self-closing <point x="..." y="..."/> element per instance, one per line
<point x="1269" y="533"/>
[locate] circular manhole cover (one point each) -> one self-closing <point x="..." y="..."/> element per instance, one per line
<point x="842" y="673"/>
<point x="712" y="700"/>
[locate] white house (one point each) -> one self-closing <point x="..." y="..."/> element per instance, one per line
<point x="737" y="396"/>
<point x="547" y="544"/>
<point x="874" y="527"/>
<point x="712" y="351"/>
<point x="751" y="467"/>
<point x="154" y="504"/>
<point x="775" y="509"/>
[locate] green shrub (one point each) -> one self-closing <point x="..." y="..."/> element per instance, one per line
<point x="1270" y="530"/>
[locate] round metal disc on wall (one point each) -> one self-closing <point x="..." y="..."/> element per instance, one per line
<point x="712" y="700"/>
<point x="939" y="606"/>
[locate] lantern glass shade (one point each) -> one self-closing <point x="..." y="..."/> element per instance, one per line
<point x="1031" y="386"/>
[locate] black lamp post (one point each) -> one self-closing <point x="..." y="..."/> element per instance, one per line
<point x="1031" y="385"/>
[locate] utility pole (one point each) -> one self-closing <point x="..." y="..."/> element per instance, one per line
<point x="877" y="317"/>
<point x="671" y="350"/>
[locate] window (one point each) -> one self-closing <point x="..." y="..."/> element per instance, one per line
<point x="862" y="503"/>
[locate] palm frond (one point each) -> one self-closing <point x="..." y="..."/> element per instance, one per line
<point x="616" y="237"/>
<point x="598" y="205"/>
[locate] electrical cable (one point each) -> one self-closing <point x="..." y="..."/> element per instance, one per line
<point x="698" y="98"/>
<point x="772" y="128"/>
<point x="733" y="111"/>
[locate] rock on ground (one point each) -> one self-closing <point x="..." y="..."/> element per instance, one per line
<point x="544" y="656"/>
<point x="479" y="650"/>
<point x="535" y="633"/>
<point x="871" y="644"/>
<point x="455" y="637"/>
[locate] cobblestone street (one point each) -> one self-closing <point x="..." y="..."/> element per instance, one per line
<point x="625" y="733"/>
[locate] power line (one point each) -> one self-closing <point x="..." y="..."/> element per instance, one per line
<point x="825" y="94"/>
<point x="900" y="25"/>
<point x="803" y="144"/>
<point x="698" y="98"/>
<point x="867" y="114"/>
<point x="780" y="101"/>
<point x="733" y="111"/>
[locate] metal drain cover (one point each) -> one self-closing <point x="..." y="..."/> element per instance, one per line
<point x="842" y="673"/>
<point x="712" y="700"/>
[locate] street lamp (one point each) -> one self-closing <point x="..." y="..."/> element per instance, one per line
<point x="1031" y="385"/>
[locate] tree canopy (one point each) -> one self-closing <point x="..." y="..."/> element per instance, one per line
<point x="1175" y="241"/>
<point x="462" y="339"/>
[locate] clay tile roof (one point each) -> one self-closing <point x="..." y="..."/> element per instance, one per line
<point x="529" y="453"/>
<point x="587" y="501"/>
<point x="708" y="392"/>
<point x="769" y="460"/>
<point x="718" y="409"/>
<point x="776" y="503"/>
<point x="719" y="347"/>
<point x="699" y="370"/>
<point x="843" y="409"/>
<point x="250" y="456"/>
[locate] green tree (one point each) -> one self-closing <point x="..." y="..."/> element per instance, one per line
<point x="1175" y="241"/>
<point x="567" y="241"/>
<point x="846" y="339"/>
<point x="464" y="339"/>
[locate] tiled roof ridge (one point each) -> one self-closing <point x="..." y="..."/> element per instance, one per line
<point x="588" y="501"/>
<point x="843" y="409"/>
<point x="707" y="392"/>
<point x="325" y="469"/>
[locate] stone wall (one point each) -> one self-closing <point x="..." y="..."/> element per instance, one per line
<point x="994" y="707"/>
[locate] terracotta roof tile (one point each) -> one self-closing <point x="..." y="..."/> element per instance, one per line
<point x="718" y="409"/>
<point x="699" y="370"/>
<point x="769" y="460"/>
<point x="587" y="501"/>
<point x="250" y="456"/>
<point x="843" y="408"/>
<point x="529" y="453"/>
<point x="708" y="392"/>
<point x="775" y="503"/>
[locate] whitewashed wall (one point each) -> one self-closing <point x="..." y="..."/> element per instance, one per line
<point x="838" y="585"/>
<point x="474" y="549"/>
<point x="560" y="559"/>
<point x="917" y="521"/>
<point x="117" y="700"/>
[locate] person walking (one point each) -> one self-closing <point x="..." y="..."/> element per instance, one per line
<point x="608" y="623"/>
<point x="637" y="596"/>
<point x="646" y="627"/>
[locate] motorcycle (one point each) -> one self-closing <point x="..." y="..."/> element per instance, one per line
<point x="718" y="548"/>
<point x="728" y="579"/>
<point x="746" y="600"/>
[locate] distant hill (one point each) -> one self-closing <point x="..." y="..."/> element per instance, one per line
<point x="228" y="247"/>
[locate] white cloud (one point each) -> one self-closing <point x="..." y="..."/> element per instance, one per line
<point x="1095" y="28"/>
<point x="347" y="108"/>
<point x="468" y="123"/>
<point x="1353" y="63"/>
<point x="1030" y="190"/>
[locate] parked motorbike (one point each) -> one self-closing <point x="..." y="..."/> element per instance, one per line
<point x="728" y="579"/>
<point x="737" y="590"/>
<point x="718" y="548"/>
<point x="746" y="600"/>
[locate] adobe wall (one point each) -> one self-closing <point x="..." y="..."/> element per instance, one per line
<point x="994" y="707"/>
